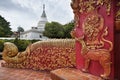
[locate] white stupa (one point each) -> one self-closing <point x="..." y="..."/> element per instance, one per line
<point x="36" y="32"/>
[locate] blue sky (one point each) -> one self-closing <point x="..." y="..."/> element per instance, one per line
<point x="26" y="13"/>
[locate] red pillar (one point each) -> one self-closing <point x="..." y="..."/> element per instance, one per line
<point x="82" y="12"/>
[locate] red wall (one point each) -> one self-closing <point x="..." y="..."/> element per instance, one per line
<point x="95" y="67"/>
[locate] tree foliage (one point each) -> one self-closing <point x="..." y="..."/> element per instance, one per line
<point x="21" y="44"/>
<point x="20" y="29"/>
<point x="5" y="29"/>
<point x="54" y="30"/>
<point x="67" y="29"/>
<point x="57" y="30"/>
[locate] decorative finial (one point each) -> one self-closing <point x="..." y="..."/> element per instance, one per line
<point x="43" y="6"/>
<point x="43" y="14"/>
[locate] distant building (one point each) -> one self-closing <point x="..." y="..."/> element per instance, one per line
<point x="15" y="34"/>
<point x="36" y="32"/>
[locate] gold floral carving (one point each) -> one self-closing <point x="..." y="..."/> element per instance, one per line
<point x="118" y="12"/>
<point x="90" y="5"/>
<point x="93" y="43"/>
<point x="94" y="31"/>
<point x="75" y="7"/>
<point x="101" y="55"/>
<point x="92" y="26"/>
<point x="42" y="55"/>
<point x="80" y="6"/>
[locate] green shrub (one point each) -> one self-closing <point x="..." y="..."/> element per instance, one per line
<point x="32" y="41"/>
<point x="21" y="44"/>
<point x="1" y="45"/>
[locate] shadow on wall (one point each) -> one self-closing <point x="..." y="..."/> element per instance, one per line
<point x="0" y="56"/>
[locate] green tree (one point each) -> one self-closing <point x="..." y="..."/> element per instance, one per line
<point x="5" y="29"/>
<point x="20" y="29"/>
<point x="67" y="28"/>
<point x="54" y="30"/>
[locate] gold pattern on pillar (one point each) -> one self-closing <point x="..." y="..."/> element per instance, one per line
<point x="80" y="6"/>
<point x="95" y="31"/>
<point x="93" y="44"/>
<point x="92" y="26"/>
<point x="90" y="5"/>
<point x="75" y="7"/>
<point x="117" y="17"/>
<point x="118" y="12"/>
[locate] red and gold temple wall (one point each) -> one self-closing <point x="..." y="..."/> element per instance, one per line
<point x="84" y="10"/>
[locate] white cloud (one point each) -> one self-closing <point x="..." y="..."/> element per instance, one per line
<point x="26" y="13"/>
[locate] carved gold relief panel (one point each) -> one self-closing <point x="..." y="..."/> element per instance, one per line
<point x="92" y="26"/>
<point x="86" y="6"/>
<point x="90" y="5"/>
<point x="95" y="29"/>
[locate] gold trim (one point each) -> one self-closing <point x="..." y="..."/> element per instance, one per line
<point x="75" y="7"/>
<point x="92" y="26"/>
<point x="90" y="5"/>
<point x="80" y="6"/>
<point x="105" y="33"/>
<point x="118" y="12"/>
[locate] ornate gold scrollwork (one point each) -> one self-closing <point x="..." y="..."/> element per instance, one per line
<point x="80" y="6"/>
<point x="92" y="26"/>
<point x="94" y="31"/>
<point x="93" y="43"/>
<point x="86" y="6"/>
<point x="101" y="55"/>
<point x="11" y="54"/>
<point x="90" y="5"/>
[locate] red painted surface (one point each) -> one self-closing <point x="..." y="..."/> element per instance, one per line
<point x="95" y="68"/>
